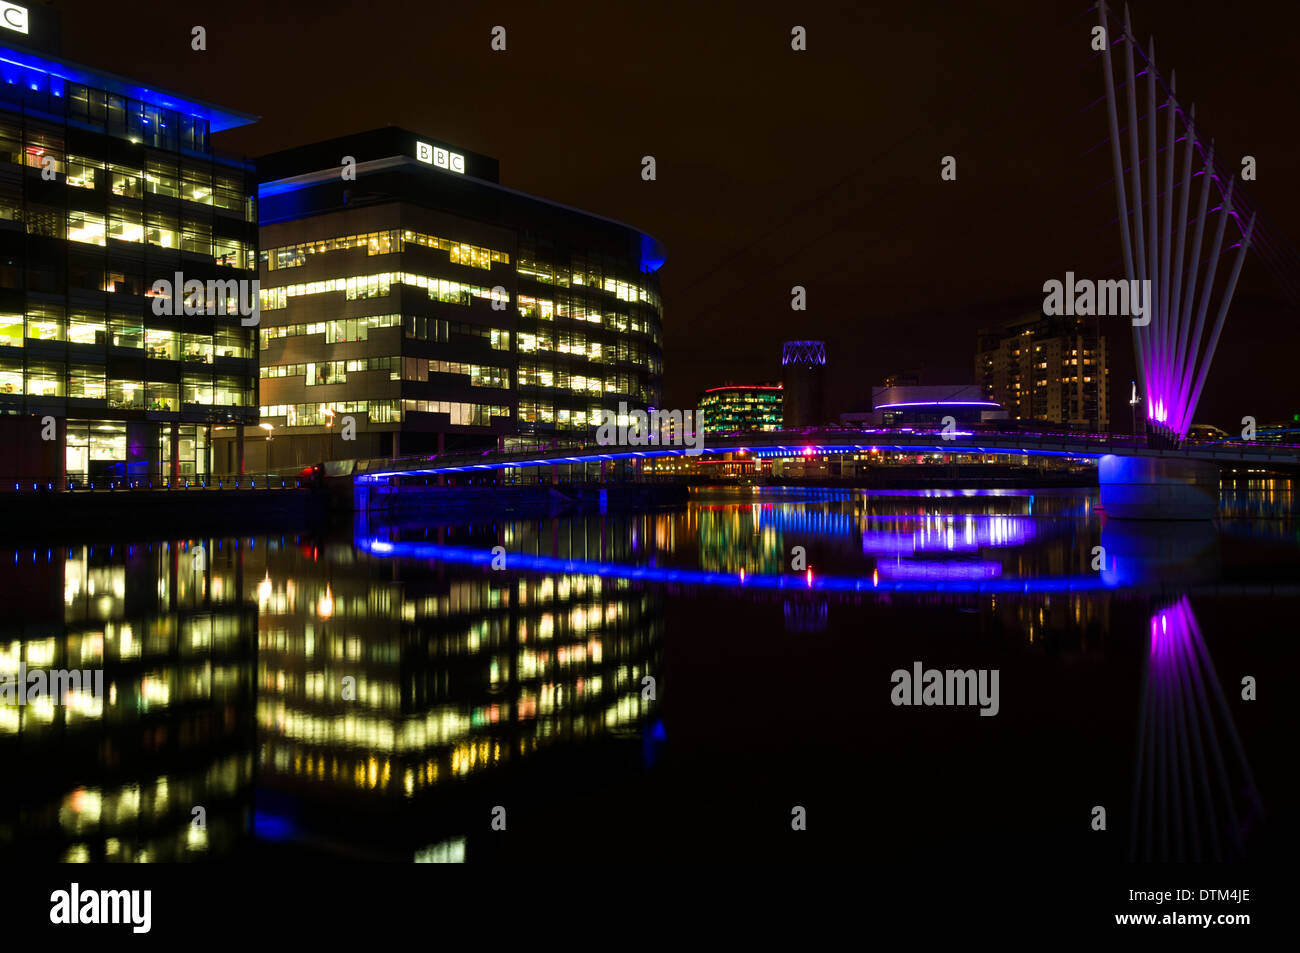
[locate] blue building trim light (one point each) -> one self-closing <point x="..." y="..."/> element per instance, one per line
<point x="20" y="67"/>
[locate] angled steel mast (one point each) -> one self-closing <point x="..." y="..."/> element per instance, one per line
<point x="1173" y="355"/>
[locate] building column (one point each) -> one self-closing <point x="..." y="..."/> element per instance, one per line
<point x="61" y="465"/>
<point x="176" y="453"/>
<point x="239" y="441"/>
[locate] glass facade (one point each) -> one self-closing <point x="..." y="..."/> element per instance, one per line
<point x="440" y="320"/>
<point x="102" y="196"/>
<point x="414" y="349"/>
<point x="737" y="409"/>
<point x="590" y="336"/>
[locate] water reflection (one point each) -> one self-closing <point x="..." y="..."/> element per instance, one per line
<point x="1194" y="795"/>
<point x="453" y="672"/>
<point x="368" y="694"/>
<point x="262" y="680"/>
<point x="118" y="778"/>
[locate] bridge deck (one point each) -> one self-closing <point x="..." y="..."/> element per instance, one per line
<point x="811" y="442"/>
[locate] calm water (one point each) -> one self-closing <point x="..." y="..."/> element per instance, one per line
<point x="666" y="685"/>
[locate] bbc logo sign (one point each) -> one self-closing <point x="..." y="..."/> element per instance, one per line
<point x="13" y="17"/>
<point x="442" y="158"/>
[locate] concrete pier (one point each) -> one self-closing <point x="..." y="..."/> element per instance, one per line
<point x="1158" y="488"/>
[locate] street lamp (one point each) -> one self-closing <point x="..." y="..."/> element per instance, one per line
<point x="1133" y="402"/>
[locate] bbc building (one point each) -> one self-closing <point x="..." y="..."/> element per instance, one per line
<point x="107" y="187"/>
<point x="412" y="304"/>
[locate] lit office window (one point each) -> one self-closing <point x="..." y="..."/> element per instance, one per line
<point x="160" y="178"/>
<point x="87" y="382"/>
<point x="126" y="395"/>
<point x="126" y="225"/>
<point x="45" y="379"/>
<point x="84" y="173"/>
<point x="87" y="328"/>
<point x="45" y="323"/>
<point x="125" y="181"/>
<point x="161" y="230"/>
<point x="86" y="226"/>
<point x="126" y="331"/>
<point x="11" y="330"/>
<point x="11" y="375"/>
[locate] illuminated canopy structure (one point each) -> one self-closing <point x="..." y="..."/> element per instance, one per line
<point x="805" y="353"/>
<point x="1173" y="352"/>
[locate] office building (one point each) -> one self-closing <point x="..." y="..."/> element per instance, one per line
<point x="1047" y="369"/>
<point x="110" y="191"/>
<point x="738" y="408"/>
<point x="413" y="303"/>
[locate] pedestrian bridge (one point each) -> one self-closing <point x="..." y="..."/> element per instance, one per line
<point x="818" y="442"/>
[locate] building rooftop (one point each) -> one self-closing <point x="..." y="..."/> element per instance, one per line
<point x="18" y="66"/>
<point x="393" y="148"/>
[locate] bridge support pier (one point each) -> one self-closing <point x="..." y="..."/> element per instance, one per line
<point x="1158" y="488"/>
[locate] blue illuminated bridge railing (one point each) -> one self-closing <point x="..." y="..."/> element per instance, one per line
<point x="1080" y="446"/>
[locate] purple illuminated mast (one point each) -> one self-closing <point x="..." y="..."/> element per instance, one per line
<point x="1173" y="355"/>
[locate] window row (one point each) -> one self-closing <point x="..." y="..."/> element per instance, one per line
<point x="435" y="329"/>
<point x="419" y="369"/>
<point x="460" y="414"/>
<point x="49" y="323"/>
<point x="336" y="332"/>
<point x="543" y="309"/>
<point x="545" y="413"/>
<point x="86" y="269"/>
<point x="214" y="185"/>
<point x="131" y="225"/>
<point x="383" y="243"/>
<point x="530" y="375"/>
<point x="582" y="273"/>
<point x="575" y="343"/>
<point x="135" y="120"/>
<point x="332" y="372"/>
<point x="317" y="415"/>
<point x="90" y="382"/>
<point x="376" y="286"/>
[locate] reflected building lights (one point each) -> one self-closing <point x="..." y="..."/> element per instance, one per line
<point x="113" y="778"/>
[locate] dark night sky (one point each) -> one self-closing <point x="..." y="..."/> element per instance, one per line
<point x="778" y="168"/>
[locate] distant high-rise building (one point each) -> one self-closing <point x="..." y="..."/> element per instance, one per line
<point x="803" y="367"/>
<point x="1052" y="369"/>
<point x="737" y="408"/>
<point x="906" y="379"/>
